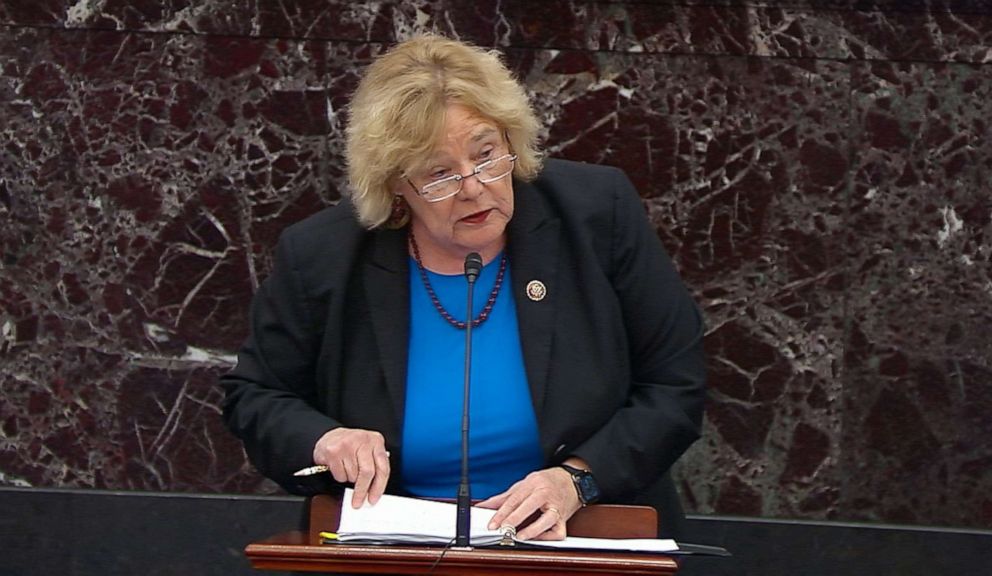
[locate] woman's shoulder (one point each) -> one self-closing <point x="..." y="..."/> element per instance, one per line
<point x="557" y="171"/>
<point x="336" y="217"/>
<point x="584" y="189"/>
<point x="324" y="235"/>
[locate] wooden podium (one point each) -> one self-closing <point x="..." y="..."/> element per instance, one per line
<point x="303" y="551"/>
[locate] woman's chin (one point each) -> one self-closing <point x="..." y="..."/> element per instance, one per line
<point x="487" y="237"/>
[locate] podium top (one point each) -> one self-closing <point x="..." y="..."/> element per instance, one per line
<point x="596" y="521"/>
<point x="295" y="551"/>
<point x="303" y="551"/>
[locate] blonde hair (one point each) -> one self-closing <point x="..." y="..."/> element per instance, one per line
<point x="396" y="116"/>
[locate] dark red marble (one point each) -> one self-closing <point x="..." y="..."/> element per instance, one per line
<point x="818" y="170"/>
<point x="917" y="403"/>
<point x="842" y="29"/>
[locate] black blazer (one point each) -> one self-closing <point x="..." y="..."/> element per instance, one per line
<point x="613" y="353"/>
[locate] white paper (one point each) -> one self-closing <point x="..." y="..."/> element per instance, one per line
<point x="618" y="544"/>
<point x="395" y="519"/>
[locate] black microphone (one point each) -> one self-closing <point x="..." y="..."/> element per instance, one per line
<point x="473" y="267"/>
<point x="463" y="522"/>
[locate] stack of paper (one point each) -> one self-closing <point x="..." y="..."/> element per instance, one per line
<point x="399" y="520"/>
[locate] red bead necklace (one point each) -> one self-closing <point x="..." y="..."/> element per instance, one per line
<point x="437" y="302"/>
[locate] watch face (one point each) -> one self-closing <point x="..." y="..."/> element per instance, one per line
<point x="589" y="488"/>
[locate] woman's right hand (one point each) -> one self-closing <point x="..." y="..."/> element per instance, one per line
<point x="357" y="456"/>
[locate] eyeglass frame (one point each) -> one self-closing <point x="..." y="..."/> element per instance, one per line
<point x="460" y="179"/>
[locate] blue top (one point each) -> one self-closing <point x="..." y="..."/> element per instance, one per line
<point x="503" y="438"/>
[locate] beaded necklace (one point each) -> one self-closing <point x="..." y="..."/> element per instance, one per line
<point x="437" y="302"/>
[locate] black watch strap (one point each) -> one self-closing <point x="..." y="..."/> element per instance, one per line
<point x="585" y="484"/>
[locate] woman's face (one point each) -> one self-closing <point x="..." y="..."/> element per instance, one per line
<point x="475" y="218"/>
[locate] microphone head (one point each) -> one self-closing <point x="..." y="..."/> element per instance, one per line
<point x="473" y="266"/>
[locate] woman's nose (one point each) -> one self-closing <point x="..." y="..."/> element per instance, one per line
<point x="472" y="187"/>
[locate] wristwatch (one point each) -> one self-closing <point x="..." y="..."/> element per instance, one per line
<point x="585" y="484"/>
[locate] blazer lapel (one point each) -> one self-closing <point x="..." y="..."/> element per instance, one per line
<point x="387" y="288"/>
<point x="533" y="249"/>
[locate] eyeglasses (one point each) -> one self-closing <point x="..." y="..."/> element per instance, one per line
<point x="487" y="172"/>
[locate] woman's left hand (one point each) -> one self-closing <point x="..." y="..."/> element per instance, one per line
<point x="550" y="491"/>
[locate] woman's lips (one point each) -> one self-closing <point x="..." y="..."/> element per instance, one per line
<point x="478" y="217"/>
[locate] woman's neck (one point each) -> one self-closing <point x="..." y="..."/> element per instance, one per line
<point x="451" y="262"/>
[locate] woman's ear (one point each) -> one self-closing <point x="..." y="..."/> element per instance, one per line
<point x="400" y="214"/>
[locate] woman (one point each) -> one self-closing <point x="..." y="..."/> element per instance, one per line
<point x="588" y="375"/>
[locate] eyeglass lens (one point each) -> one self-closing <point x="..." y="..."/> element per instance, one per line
<point x="487" y="172"/>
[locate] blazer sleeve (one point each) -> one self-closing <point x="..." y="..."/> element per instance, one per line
<point x="271" y="394"/>
<point x="662" y="416"/>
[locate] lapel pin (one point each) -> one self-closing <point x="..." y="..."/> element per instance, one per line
<point x="536" y="290"/>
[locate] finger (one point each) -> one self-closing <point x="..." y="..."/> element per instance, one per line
<point x="366" y="473"/>
<point x="517" y="514"/>
<point x="382" y="471"/>
<point x="337" y="470"/>
<point x="351" y="467"/>
<point x="510" y="500"/>
<point x="493" y="502"/>
<point x="546" y="521"/>
<point x="557" y="532"/>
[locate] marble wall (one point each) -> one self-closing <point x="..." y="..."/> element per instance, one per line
<point x="819" y="171"/>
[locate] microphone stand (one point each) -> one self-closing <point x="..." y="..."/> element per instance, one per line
<point x="473" y="266"/>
